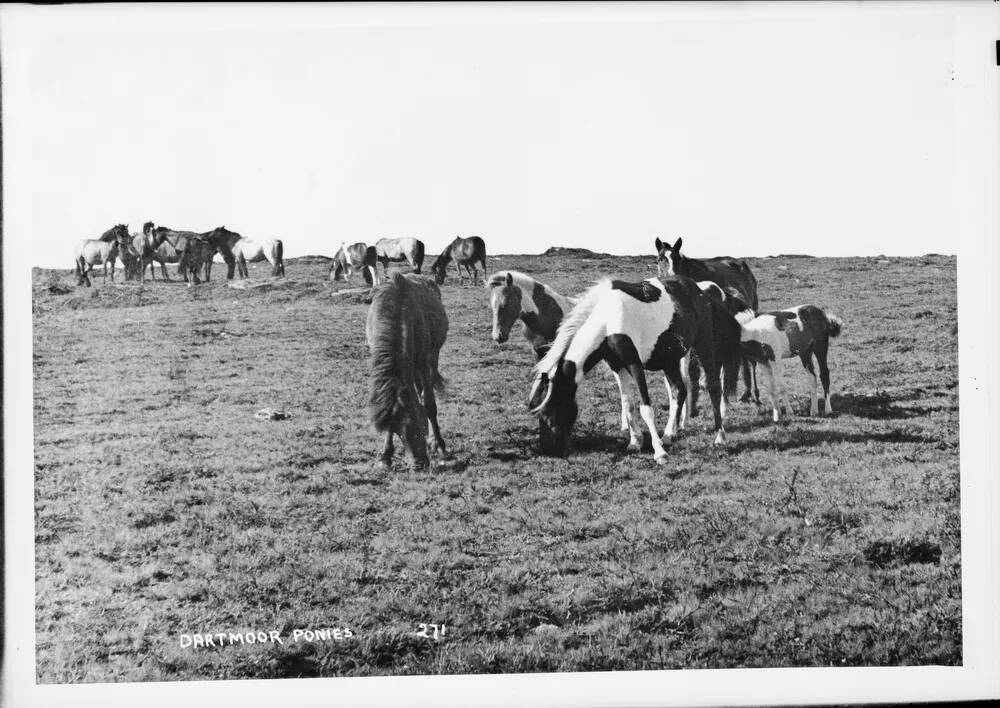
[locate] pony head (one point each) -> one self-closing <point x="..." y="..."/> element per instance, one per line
<point x="553" y="400"/>
<point x="147" y="228"/>
<point x="668" y="258"/>
<point x="440" y="270"/>
<point x="122" y="236"/>
<point x="505" y="301"/>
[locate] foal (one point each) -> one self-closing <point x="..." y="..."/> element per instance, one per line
<point x="798" y="331"/>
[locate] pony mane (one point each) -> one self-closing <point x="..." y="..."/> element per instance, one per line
<point x="571" y="325"/>
<point x="387" y="348"/>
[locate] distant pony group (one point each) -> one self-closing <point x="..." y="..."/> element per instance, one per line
<point x="193" y="252"/>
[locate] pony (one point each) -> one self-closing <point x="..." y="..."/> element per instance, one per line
<point x="165" y="253"/>
<point x="727" y="273"/>
<point x="465" y="252"/>
<point x="357" y="256"/>
<point x="514" y="296"/>
<point x="399" y="250"/>
<point x="219" y="238"/>
<point x="197" y="256"/>
<point x="798" y="331"/>
<point x="405" y="329"/>
<point x="103" y="250"/>
<point x="141" y="251"/>
<point x="173" y="249"/>
<point x="728" y="348"/>
<point x="255" y="251"/>
<point x="634" y="327"/>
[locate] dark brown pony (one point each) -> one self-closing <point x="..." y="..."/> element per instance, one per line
<point x="405" y="329"/>
<point x="465" y="252"/>
<point x="730" y="274"/>
<point x="220" y="239"/>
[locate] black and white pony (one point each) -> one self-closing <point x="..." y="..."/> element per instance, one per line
<point x="517" y="296"/>
<point x="405" y="330"/>
<point x="798" y="331"/>
<point x="357" y="256"/>
<point x="465" y="252"/>
<point x="730" y="274"/>
<point x="634" y="327"/>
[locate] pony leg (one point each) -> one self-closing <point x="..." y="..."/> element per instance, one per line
<point x="771" y="389"/>
<point x="713" y="373"/>
<point x="646" y="412"/>
<point x="806" y="358"/>
<point x="673" y="394"/>
<point x="628" y="420"/>
<point x="435" y="441"/>
<point x="824" y="375"/>
<point x="779" y="384"/>
<point x="385" y="457"/>
<point x="687" y="410"/>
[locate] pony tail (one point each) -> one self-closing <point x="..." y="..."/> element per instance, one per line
<point x="834" y="325"/>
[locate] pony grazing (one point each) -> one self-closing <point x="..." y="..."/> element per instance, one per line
<point x="465" y="252"/>
<point x="357" y="256"/>
<point x="515" y="296"/>
<point x="729" y="274"/>
<point x="798" y="331"/>
<point x="271" y="250"/>
<point x="405" y="330"/>
<point x="103" y="250"/>
<point x="400" y="250"/>
<point x="634" y="327"/>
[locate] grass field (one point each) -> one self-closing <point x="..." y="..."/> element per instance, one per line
<point x="165" y="508"/>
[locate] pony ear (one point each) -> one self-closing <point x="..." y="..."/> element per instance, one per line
<point x="677" y="244"/>
<point x="659" y="244"/>
<point x="510" y="280"/>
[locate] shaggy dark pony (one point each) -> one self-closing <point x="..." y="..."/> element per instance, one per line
<point x="406" y="328"/>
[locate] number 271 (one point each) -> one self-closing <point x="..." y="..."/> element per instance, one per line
<point x="425" y="628"/>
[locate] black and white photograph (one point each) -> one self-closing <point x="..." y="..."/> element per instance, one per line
<point x="562" y="354"/>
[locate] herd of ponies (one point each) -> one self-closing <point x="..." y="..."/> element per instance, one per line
<point x="697" y="323"/>
<point x="193" y="252"/>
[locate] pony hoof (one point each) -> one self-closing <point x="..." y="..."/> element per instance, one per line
<point x="720" y="438"/>
<point x="660" y="459"/>
<point x="384" y="465"/>
<point x="633" y="446"/>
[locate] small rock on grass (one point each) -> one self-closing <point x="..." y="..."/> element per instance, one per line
<point x="271" y="414"/>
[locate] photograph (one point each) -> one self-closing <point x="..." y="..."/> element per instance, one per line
<point x="500" y="354"/>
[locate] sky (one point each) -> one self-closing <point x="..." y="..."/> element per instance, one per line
<point x="827" y="130"/>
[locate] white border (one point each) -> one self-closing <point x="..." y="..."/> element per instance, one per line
<point x="977" y="26"/>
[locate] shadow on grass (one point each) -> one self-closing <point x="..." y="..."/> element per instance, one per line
<point x="792" y="438"/>
<point x="877" y="406"/>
